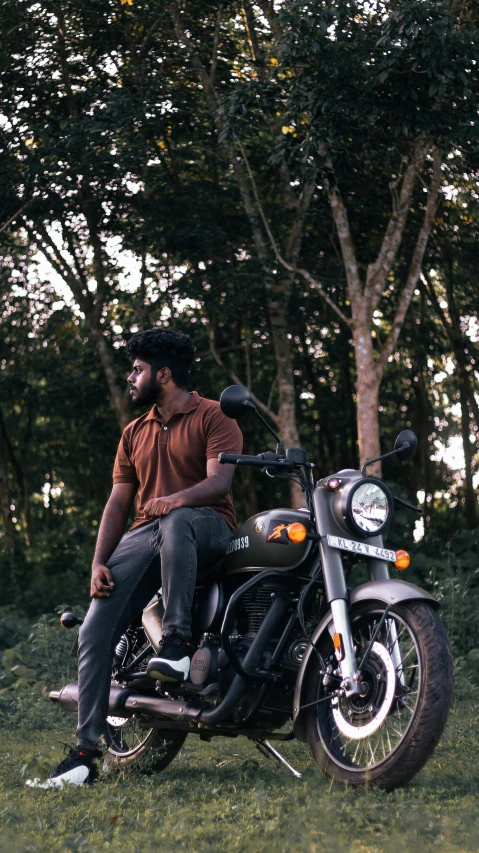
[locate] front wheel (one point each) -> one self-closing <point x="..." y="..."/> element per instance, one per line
<point x="386" y="735"/>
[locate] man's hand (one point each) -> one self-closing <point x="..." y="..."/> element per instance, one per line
<point x="162" y="506"/>
<point x="101" y="582"/>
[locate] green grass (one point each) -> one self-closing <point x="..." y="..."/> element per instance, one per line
<point x="225" y="796"/>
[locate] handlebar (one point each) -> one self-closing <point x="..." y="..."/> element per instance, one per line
<point x="263" y="460"/>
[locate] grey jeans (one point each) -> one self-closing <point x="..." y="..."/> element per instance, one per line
<point x="165" y="553"/>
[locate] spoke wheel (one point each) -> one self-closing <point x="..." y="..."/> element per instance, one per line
<point x="129" y="740"/>
<point x="385" y="735"/>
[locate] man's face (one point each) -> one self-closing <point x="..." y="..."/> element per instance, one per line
<point x="144" y="386"/>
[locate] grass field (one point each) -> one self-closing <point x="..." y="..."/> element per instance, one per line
<point x="225" y="796"/>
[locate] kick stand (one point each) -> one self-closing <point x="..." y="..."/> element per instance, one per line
<point x="270" y="752"/>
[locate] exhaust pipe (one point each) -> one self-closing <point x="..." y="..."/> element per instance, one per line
<point x="125" y="702"/>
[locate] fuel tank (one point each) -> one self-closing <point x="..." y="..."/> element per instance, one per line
<point x="262" y="543"/>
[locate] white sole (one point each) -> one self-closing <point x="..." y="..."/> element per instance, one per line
<point x="78" y="776"/>
<point x="176" y="670"/>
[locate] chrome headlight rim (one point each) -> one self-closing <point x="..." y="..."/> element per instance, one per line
<point x="349" y="517"/>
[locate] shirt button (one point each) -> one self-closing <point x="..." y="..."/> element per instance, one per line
<point x="165" y="427"/>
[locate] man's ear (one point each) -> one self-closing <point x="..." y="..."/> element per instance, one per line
<point x="163" y="375"/>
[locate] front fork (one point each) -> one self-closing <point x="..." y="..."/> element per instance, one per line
<point x="338" y="599"/>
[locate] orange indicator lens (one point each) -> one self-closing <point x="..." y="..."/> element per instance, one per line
<point x="296" y="532"/>
<point x="402" y="560"/>
<point x="338" y="646"/>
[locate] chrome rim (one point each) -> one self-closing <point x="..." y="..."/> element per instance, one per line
<point x="127" y="735"/>
<point x="127" y="738"/>
<point x="361" y="733"/>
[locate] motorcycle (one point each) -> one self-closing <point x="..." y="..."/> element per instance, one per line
<point x="362" y="674"/>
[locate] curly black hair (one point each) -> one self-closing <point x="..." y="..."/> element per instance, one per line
<point x="164" y="348"/>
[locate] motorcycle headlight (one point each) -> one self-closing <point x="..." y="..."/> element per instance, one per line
<point x="369" y="507"/>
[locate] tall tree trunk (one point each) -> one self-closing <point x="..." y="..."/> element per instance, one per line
<point x="75" y="278"/>
<point x="118" y="400"/>
<point x="280" y="325"/>
<point x="5" y="500"/>
<point x="367" y="395"/>
<point x="470" y="496"/>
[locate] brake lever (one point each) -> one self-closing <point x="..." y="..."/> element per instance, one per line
<point x="406" y="505"/>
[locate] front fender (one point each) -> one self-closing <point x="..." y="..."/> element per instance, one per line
<point x="388" y="591"/>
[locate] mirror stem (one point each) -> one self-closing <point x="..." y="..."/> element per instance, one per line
<point x="279" y="445"/>
<point x="384" y="456"/>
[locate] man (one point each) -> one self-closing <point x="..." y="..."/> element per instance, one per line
<point x="184" y="519"/>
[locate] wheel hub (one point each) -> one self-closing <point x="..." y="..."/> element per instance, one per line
<point x="358" y="717"/>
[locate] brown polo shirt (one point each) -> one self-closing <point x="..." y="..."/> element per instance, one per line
<point x="165" y="458"/>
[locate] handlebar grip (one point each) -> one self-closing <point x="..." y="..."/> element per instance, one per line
<point x="232" y="458"/>
<point x="241" y="459"/>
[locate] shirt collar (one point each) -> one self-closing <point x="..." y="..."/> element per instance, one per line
<point x="188" y="406"/>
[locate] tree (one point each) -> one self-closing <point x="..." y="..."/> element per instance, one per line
<point x="375" y="98"/>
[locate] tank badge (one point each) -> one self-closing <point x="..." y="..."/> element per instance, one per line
<point x="259" y="527"/>
<point x="278" y="533"/>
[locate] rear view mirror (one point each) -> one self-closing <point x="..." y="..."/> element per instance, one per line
<point x="406" y="444"/>
<point x="235" y="401"/>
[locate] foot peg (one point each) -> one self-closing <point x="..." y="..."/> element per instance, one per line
<point x="270" y="752"/>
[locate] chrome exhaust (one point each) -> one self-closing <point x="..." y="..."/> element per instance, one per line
<point x="125" y="702"/>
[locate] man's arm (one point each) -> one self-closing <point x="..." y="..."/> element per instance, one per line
<point x="205" y="493"/>
<point x="112" y="526"/>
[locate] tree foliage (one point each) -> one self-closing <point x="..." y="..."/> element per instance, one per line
<point x="287" y="184"/>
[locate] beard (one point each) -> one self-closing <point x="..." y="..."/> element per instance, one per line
<point x="151" y="393"/>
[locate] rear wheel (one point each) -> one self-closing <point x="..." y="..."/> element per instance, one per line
<point x="130" y="744"/>
<point x="386" y="735"/>
<point x="129" y="739"/>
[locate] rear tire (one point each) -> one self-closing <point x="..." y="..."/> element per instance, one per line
<point x="400" y="745"/>
<point x="129" y="740"/>
<point x="164" y="745"/>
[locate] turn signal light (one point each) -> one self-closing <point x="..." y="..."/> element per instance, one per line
<point x="402" y="560"/>
<point x="296" y="532"/>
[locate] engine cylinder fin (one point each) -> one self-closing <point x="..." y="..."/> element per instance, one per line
<point x="256" y="602"/>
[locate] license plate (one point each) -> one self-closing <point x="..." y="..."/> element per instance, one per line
<point x="361" y="548"/>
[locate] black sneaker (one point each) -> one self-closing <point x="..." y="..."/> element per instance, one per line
<point x="173" y="661"/>
<point x="78" y="768"/>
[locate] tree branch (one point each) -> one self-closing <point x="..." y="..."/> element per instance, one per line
<point x="39" y="234"/>
<point x="379" y="270"/>
<point x="12" y="218"/>
<point x="290" y="267"/>
<point x="343" y="230"/>
<point x="458" y="347"/>
<point x="267" y="7"/>
<point x="147" y="36"/>
<point x="232" y="375"/>
<point x="216" y="40"/>
<point x="416" y="262"/>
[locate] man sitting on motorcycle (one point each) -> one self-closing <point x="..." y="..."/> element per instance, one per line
<point x="184" y="518"/>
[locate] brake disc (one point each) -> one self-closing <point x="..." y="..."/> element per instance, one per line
<point x="380" y="713"/>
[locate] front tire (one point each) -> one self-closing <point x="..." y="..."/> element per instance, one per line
<point x="386" y="737"/>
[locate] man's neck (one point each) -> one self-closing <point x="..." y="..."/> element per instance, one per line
<point x="171" y="403"/>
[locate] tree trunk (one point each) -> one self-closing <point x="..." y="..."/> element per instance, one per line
<point x="367" y="393"/>
<point x="5" y="500"/>
<point x="470" y="496"/>
<point x="118" y="402"/>
<point x="284" y="365"/>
